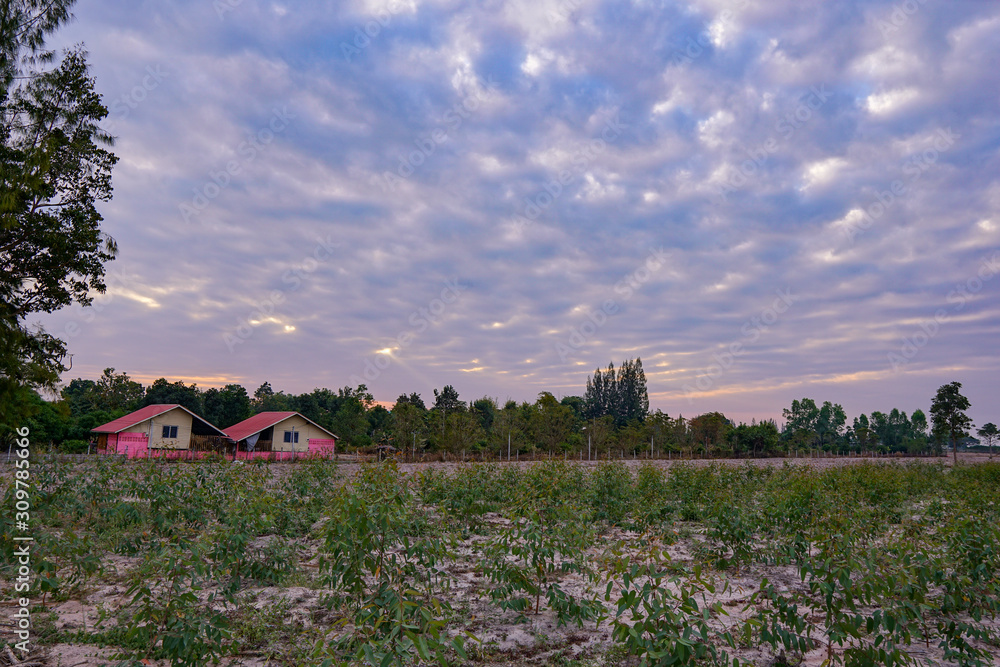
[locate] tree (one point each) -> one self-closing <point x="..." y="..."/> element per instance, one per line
<point x="454" y="430"/>
<point x="447" y="400"/>
<point x="764" y="437"/>
<point x="598" y="434"/>
<point x="862" y="432"/>
<point x="227" y="406"/>
<point x="948" y="416"/>
<point x="915" y="432"/>
<point x="266" y="400"/>
<point x="510" y="429"/>
<point x="409" y="424"/>
<point x="710" y="430"/>
<point x="380" y="424"/>
<point x="830" y="423"/>
<point x="574" y="403"/>
<point x="802" y="416"/>
<point x="485" y="409"/>
<point x="413" y="398"/>
<point x="658" y="427"/>
<point x="350" y="419"/>
<point x="989" y="433"/>
<point x="117" y="391"/>
<point x="633" y="400"/>
<point x="81" y="395"/>
<point x="893" y="430"/>
<point x="552" y="423"/>
<point x="632" y="438"/>
<point x="621" y="394"/>
<point x="754" y="439"/>
<point x="595" y="400"/>
<point x="87" y="408"/>
<point x="801" y="421"/>
<point x="49" y="421"/>
<point x="262" y="393"/>
<point x="162" y="392"/>
<point x="52" y="174"/>
<point x="679" y="435"/>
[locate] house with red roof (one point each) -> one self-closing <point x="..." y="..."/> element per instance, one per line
<point x="285" y="433"/>
<point x="157" y="427"/>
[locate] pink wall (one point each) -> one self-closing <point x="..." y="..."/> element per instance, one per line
<point x="133" y="445"/>
<point x="322" y="447"/>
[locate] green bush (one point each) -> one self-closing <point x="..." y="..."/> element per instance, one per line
<point x="612" y="492"/>
<point x="74" y="446"/>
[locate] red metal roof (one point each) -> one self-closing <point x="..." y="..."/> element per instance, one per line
<point x="264" y="420"/>
<point x="133" y="418"/>
<point x="148" y="412"/>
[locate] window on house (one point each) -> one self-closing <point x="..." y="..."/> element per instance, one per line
<point x="169" y="431"/>
<point x="292" y="436"/>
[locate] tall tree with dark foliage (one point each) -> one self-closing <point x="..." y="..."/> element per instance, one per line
<point x="951" y="424"/>
<point x="53" y="171"/>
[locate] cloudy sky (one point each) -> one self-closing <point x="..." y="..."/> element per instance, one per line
<point x="763" y="200"/>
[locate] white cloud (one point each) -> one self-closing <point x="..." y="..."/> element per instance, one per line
<point x="713" y="131"/>
<point x="822" y="172"/>
<point x="886" y="102"/>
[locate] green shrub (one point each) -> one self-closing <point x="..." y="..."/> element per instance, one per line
<point x="74" y="446"/>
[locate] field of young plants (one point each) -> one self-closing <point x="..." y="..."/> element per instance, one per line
<point x="557" y="563"/>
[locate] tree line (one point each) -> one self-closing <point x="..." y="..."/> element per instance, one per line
<point x="611" y="419"/>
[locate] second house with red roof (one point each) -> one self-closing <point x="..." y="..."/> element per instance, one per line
<point x="283" y="432"/>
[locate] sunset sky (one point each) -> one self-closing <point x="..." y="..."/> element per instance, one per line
<point x="764" y="200"/>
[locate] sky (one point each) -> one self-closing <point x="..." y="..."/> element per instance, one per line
<point x="763" y="200"/>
